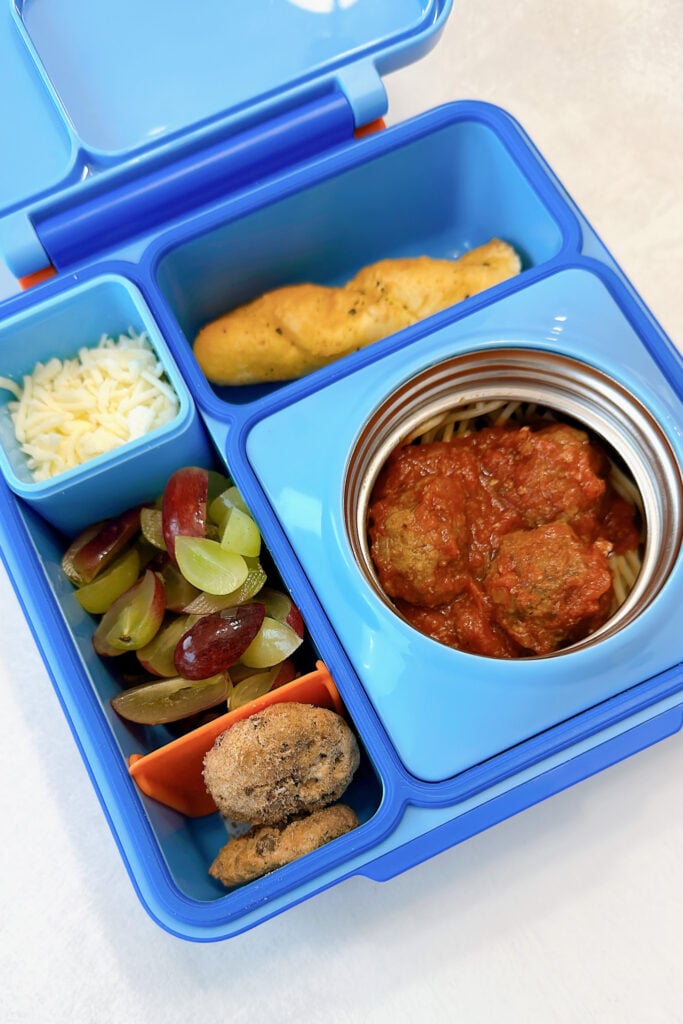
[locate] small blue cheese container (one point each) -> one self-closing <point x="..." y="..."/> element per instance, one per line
<point x="59" y="328"/>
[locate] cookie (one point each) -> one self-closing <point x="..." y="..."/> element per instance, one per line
<point x="272" y="846"/>
<point x="287" y="760"/>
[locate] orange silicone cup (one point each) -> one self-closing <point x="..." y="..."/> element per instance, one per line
<point x="173" y="773"/>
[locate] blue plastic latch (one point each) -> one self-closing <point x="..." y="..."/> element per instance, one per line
<point x="100" y="215"/>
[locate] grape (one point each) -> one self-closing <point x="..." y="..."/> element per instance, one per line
<point x="252" y="687"/>
<point x="157" y="655"/>
<point x="240" y="533"/>
<point x="133" y="619"/>
<point x="179" y="591"/>
<point x="152" y="530"/>
<point x="98" y="545"/>
<point x="204" y="604"/>
<point x="281" y="607"/>
<point x="216" y="641"/>
<point x="248" y="685"/>
<point x="274" y="642"/>
<point x="170" y="699"/>
<point x="208" y="566"/>
<point x="229" y="498"/>
<point x="97" y="596"/>
<point x="183" y="506"/>
<point x="218" y="483"/>
<point x="175" y="583"/>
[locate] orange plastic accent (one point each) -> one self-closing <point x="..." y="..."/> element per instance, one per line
<point x="32" y="279"/>
<point x="173" y="773"/>
<point x="370" y="128"/>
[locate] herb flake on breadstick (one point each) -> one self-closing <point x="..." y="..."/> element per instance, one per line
<point x="291" y="331"/>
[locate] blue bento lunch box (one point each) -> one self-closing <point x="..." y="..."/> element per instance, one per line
<point x="226" y="171"/>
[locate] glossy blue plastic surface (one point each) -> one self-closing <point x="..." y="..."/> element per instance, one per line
<point x="484" y="180"/>
<point x="444" y="710"/>
<point x="58" y="327"/>
<point x="198" y="76"/>
<point x="438" y="764"/>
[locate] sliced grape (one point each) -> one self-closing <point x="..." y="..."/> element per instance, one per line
<point x="274" y="642"/>
<point x="208" y="566"/>
<point x="179" y="591"/>
<point x="151" y="527"/>
<point x="218" y="483"/>
<point x="98" y="545"/>
<point x="248" y="685"/>
<point x="281" y="607"/>
<point x="97" y="596"/>
<point x="183" y="506"/>
<point x="229" y="498"/>
<point x="169" y="700"/>
<point x="252" y="687"/>
<point x="216" y="641"/>
<point x="157" y="656"/>
<point x="133" y="619"/>
<point x="149" y="555"/>
<point x="205" y="604"/>
<point x="286" y="672"/>
<point x="240" y="533"/>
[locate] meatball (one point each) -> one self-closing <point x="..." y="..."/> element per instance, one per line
<point x="548" y="587"/>
<point x="465" y="623"/>
<point x="547" y="474"/>
<point x="419" y="541"/>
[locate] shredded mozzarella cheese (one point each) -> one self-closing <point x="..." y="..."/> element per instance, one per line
<point x="67" y="412"/>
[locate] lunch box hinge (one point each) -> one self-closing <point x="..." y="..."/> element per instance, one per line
<point x="363" y="87"/>
<point x="102" y="215"/>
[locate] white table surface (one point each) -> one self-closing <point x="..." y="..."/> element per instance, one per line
<point x="569" y="912"/>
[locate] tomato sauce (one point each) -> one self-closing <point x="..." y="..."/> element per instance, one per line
<point x="499" y="543"/>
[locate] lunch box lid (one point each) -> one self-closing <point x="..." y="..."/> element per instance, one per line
<point x="108" y="104"/>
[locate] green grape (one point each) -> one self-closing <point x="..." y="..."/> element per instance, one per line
<point x="274" y="642"/>
<point x="132" y="619"/>
<point x="208" y="566"/>
<point x="157" y="655"/>
<point x="240" y="533"/>
<point x="252" y="687"/>
<point x="229" y="498"/>
<point x="151" y="527"/>
<point x="218" y="483"/>
<point x="179" y="592"/>
<point x="98" y="596"/>
<point x="169" y="700"/>
<point x="205" y="604"/>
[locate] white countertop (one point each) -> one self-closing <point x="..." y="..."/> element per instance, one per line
<point x="569" y="912"/>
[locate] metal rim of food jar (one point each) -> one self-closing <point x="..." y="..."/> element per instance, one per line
<point x="564" y="385"/>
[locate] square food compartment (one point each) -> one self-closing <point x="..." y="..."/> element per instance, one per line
<point x="169" y="852"/>
<point x="445" y="710"/>
<point x="57" y="328"/>
<point x="452" y="181"/>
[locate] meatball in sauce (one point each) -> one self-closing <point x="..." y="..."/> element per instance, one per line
<point x="499" y="542"/>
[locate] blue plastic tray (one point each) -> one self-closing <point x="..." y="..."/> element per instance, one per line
<point x="198" y="202"/>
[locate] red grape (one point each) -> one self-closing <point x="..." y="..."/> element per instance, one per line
<point x="98" y="545"/>
<point x="216" y="641"/>
<point x="183" y="506"/>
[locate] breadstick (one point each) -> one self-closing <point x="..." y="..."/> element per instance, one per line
<point x="296" y="329"/>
